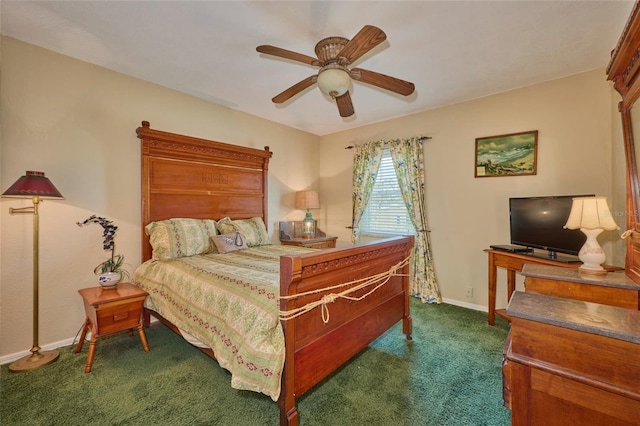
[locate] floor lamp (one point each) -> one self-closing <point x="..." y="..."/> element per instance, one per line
<point x="36" y="186"/>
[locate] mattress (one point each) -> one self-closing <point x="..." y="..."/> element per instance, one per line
<point x="229" y="302"/>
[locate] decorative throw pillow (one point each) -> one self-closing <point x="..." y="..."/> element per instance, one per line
<point x="227" y="243"/>
<point x="253" y="229"/>
<point x="179" y="237"/>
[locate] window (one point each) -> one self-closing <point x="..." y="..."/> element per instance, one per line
<point x="386" y="212"/>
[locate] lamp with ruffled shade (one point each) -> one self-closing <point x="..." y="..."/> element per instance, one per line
<point x="592" y="216"/>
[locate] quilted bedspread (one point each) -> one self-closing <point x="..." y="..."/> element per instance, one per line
<point x="230" y="303"/>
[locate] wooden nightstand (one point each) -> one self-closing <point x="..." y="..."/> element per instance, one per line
<point x="291" y="235"/>
<point x="110" y="311"/>
<point x="317" y="242"/>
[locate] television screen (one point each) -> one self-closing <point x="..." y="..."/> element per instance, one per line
<point x="538" y="222"/>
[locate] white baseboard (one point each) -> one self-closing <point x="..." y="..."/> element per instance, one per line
<point x="466" y="305"/>
<point x="5" y="359"/>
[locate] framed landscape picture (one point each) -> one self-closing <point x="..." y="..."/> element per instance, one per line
<point x="514" y="154"/>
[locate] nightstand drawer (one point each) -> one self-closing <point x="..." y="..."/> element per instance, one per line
<point x="316" y="243"/>
<point x="119" y="316"/>
<point x="321" y="244"/>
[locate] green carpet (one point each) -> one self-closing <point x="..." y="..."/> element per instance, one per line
<point x="450" y="374"/>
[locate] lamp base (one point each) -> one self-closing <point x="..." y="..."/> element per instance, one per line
<point x="308" y="226"/>
<point x="591" y="254"/>
<point x="34" y="361"/>
<point x="589" y="271"/>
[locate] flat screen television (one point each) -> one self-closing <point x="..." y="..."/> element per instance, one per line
<point x="538" y="222"/>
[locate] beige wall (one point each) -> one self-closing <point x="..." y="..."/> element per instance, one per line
<point x="574" y="118"/>
<point x="76" y="122"/>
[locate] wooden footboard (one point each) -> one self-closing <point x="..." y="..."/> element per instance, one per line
<point x="317" y="344"/>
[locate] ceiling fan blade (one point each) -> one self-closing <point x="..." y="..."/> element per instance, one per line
<point x="383" y="81"/>
<point x="366" y="39"/>
<point x="294" y="90"/>
<point x="288" y="54"/>
<point x="345" y="106"/>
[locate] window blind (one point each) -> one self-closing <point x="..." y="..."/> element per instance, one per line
<point x="386" y="212"/>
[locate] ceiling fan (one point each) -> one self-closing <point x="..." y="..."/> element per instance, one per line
<point x="334" y="56"/>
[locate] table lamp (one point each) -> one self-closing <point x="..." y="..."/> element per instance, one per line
<point x="308" y="200"/>
<point x="36" y="186"/>
<point x="592" y="216"/>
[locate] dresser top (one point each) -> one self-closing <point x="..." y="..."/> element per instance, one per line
<point x="611" y="279"/>
<point x="604" y="320"/>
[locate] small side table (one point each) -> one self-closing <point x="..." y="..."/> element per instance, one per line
<point x="110" y="311"/>
<point x="291" y="235"/>
<point x="314" y="242"/>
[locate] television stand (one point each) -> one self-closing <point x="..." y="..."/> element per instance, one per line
<point x="555" y="256"/>
<point x="513" y="263"/>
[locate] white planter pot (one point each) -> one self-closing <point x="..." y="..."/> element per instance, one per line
<point x="109" y="279"/>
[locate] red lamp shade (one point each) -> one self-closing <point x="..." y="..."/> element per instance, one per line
<point x="33" y="184"/>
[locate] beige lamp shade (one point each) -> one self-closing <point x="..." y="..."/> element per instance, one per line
<point x="591" y="213"/>
<point x="306" y="200"/>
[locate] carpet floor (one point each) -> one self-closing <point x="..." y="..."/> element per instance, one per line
<point x="449" y="374"/>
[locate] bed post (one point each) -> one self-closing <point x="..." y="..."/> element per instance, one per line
<point x="287" y="400"/>
<point x="407" y="322"/>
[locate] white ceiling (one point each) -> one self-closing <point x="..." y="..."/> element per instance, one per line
<point x="452" y="51"/>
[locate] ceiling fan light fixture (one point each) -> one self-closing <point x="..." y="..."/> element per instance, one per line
<point x="335" y="55"/>
<point x="334" y="82"/>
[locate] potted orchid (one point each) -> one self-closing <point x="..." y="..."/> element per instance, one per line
<point x="110" y="272"/>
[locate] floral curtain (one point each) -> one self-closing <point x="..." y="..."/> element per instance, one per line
<point x="366" y="162"/>
<point x="407" y="155"/>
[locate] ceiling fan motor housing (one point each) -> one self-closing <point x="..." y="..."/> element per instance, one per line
<point x="328" y="48"/>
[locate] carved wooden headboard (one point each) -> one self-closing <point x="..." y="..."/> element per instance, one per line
<point x="183" y="176"/>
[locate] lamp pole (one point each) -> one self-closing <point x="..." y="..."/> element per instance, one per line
<point x="36" y="186"/>
<point x="37" y="358"/>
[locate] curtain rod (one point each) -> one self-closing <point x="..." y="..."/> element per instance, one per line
<point x="422" y="138"/>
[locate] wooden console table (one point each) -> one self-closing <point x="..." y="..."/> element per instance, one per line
<point x="513" y="262"/>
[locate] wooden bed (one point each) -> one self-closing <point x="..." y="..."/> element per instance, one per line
<point x="189" y="177"/>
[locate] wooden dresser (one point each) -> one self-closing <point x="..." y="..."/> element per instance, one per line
<point x="515" y="263"/>
<point x="572" y="362"/>
<point x="614" y="288"/>
<point x="579" y="292"/>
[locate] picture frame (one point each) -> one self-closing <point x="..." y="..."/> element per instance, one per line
<point x="513" y="154"/>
